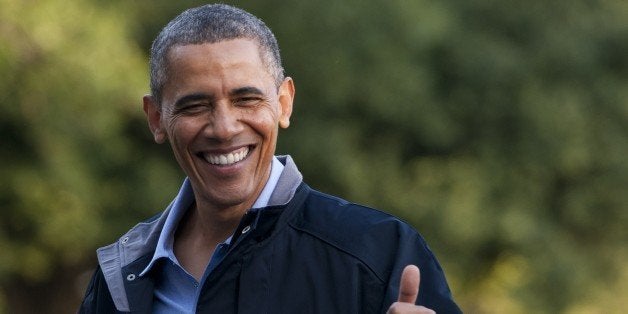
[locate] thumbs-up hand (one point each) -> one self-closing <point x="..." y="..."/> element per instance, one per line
<point x="408" y="293"/>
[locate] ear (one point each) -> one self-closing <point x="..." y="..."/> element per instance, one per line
<point x="286" y="98"/>
<point x="153" y="115"/>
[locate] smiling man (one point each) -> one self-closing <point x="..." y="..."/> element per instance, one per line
<point x="245" y="234"/>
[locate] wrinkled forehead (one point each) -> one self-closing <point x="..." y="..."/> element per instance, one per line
<point x="251" y="48"/>
<point x="226" y="64"/>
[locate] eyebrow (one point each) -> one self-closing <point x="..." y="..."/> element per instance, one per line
<point x="247" y="90"/>
<point x="193" y="97"/>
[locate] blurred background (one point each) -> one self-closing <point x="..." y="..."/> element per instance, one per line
<point x="499" y="129"/>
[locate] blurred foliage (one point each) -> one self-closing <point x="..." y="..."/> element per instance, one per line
<point x="76" y="169"/>
<point x="498" y="128"/>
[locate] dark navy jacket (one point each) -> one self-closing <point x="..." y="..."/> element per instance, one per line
<point x="314" y="254"/>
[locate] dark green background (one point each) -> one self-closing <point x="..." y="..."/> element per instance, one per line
<point x="499" y="129"/>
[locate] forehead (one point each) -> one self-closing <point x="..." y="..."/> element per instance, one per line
<point x="233" y="50"/>
<point x="220" y="65"/>
<point x="235" y="53"/>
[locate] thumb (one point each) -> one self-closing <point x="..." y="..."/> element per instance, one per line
<point x="409" y="285"/>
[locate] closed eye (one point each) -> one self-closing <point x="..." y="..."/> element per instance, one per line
<point x="192" y="107"/>
<point x="247" y="96"/>
<point x="193" y="103"/>
<point x="247" y="101"/>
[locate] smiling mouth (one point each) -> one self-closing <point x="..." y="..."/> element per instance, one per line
<point x="229" y="158"/>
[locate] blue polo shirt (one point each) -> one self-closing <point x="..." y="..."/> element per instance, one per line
<point x="176" y="291"/>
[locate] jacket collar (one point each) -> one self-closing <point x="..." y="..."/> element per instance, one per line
<point x="142" y="239"/>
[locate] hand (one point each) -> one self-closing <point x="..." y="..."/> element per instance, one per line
<point x="408" y="293"/>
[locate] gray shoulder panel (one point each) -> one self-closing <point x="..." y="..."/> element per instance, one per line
<point x="289" y="181"/>
<point x="139" y="241"/>
<point x="109" y="260"/>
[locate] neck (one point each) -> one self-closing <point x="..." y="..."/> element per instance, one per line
<point x="208" y="225"/>
<point x="203" y="227"/>
<point x="199" y="233"/>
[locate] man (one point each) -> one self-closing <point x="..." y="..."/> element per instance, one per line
<point x="245" y="234"/>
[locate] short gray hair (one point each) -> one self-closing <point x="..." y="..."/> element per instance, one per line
<point x="210" y="24"/>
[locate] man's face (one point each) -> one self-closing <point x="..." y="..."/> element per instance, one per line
<point x="221" y="111"/>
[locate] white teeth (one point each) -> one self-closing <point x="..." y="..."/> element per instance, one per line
<point x="228" y="159"/>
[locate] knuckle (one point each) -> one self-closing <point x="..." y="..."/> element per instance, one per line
<point x="394" y="308"/>
<point x="425" y="310"/>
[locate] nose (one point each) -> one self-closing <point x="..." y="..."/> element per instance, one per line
<point x="224" y="122"/>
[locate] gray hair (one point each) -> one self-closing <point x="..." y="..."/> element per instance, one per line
<point x="210" y="24"/>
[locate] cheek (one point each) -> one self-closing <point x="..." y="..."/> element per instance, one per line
<point x="265" y="122"/>
<point x="182" y="131"/>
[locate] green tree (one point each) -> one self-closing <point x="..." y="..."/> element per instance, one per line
<point x="76" y="172"/>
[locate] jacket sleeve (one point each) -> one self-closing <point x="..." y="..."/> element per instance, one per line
<point x="434" y="292"/>
<point x="97" y="297"/>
